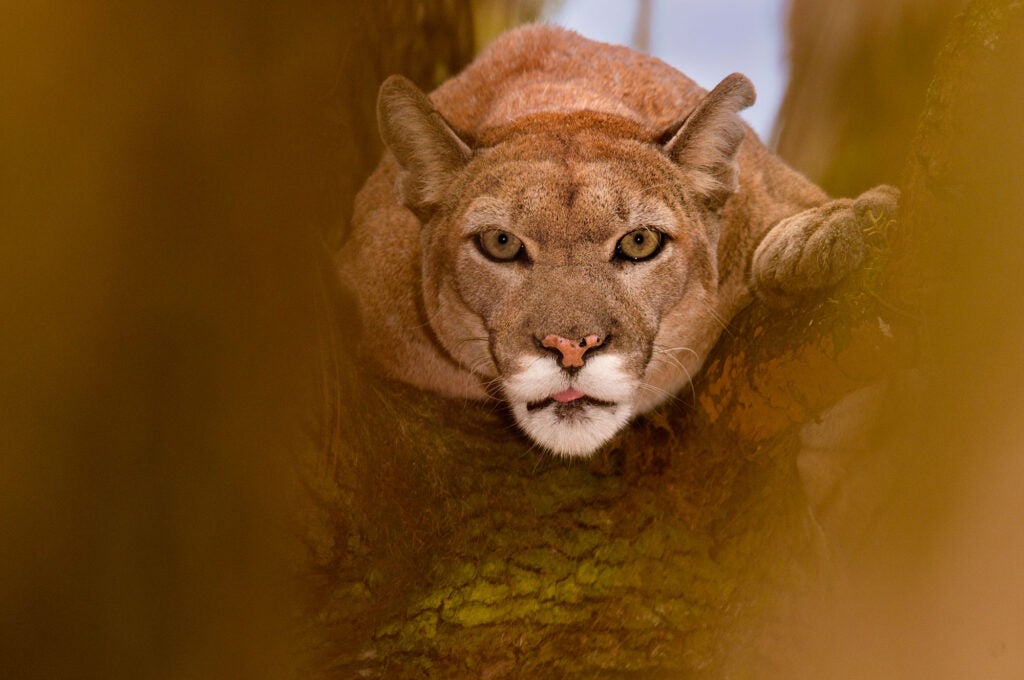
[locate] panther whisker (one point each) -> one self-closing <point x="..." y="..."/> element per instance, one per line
<point x="680" y="365"/>
<point x="717" y="317"/>
<point x="664" y="350"/>
<point x="669" y="396"/>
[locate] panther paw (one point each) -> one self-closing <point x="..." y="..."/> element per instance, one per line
<point x="816" y="248"/>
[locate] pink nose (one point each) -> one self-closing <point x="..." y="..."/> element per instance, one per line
<point x="571" y="350"/>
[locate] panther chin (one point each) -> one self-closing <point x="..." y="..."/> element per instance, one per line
<point x="571" y="414"/>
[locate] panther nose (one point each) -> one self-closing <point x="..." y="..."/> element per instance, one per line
<point x="572" y="351"/>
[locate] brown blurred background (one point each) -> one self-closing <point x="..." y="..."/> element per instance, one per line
<point x="858" y="75"/>
<point x="169" y="176"/>
<point x="161" y="175"/>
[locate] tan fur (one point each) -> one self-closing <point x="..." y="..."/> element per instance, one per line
<point x="569" y="145"/>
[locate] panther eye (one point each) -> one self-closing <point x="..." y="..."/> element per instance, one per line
<point x="639" y="245"/>
<point x="500" y="246"/>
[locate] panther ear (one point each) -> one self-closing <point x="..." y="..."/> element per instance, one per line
<point x="706" y="144"/>
<point x="428" y="151"/>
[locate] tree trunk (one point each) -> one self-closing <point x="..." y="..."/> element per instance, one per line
<point x="427" y="41"/>
<point x="702" y="541"/>
<point x="935" y="591"/>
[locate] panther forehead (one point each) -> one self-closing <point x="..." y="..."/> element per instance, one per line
<point x="562" y="199"/>
<point x="544" y="203"/>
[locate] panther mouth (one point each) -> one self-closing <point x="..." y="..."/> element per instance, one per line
<point x="571" y="419"/>
<point x="568" y="403"/>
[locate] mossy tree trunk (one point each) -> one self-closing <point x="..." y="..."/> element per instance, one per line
<point x="462" y="552"/>
<point x="442" y="545"/>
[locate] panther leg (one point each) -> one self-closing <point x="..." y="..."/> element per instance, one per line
<point x="816" y="248"/>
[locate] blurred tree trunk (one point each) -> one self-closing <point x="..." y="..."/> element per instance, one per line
<point x="642" y="27"/>
<point x="427" y="41"/>
<point x="934" y="589"/>
<point x="167" y="172"/>
<point x="491" y="18"/>
<point x="858" y="74"/>
<point x="443" y="546"/>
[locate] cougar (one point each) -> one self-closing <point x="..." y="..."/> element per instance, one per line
<point x="567" y="226"/>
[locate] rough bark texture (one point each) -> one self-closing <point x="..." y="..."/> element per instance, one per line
<point x="464" y="553"/>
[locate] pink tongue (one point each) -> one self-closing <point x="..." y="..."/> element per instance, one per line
<point x="568" y="395"/>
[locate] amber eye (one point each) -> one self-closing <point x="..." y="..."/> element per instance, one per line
<point x="639" y="244"/>
<point x="500" y="245"/>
